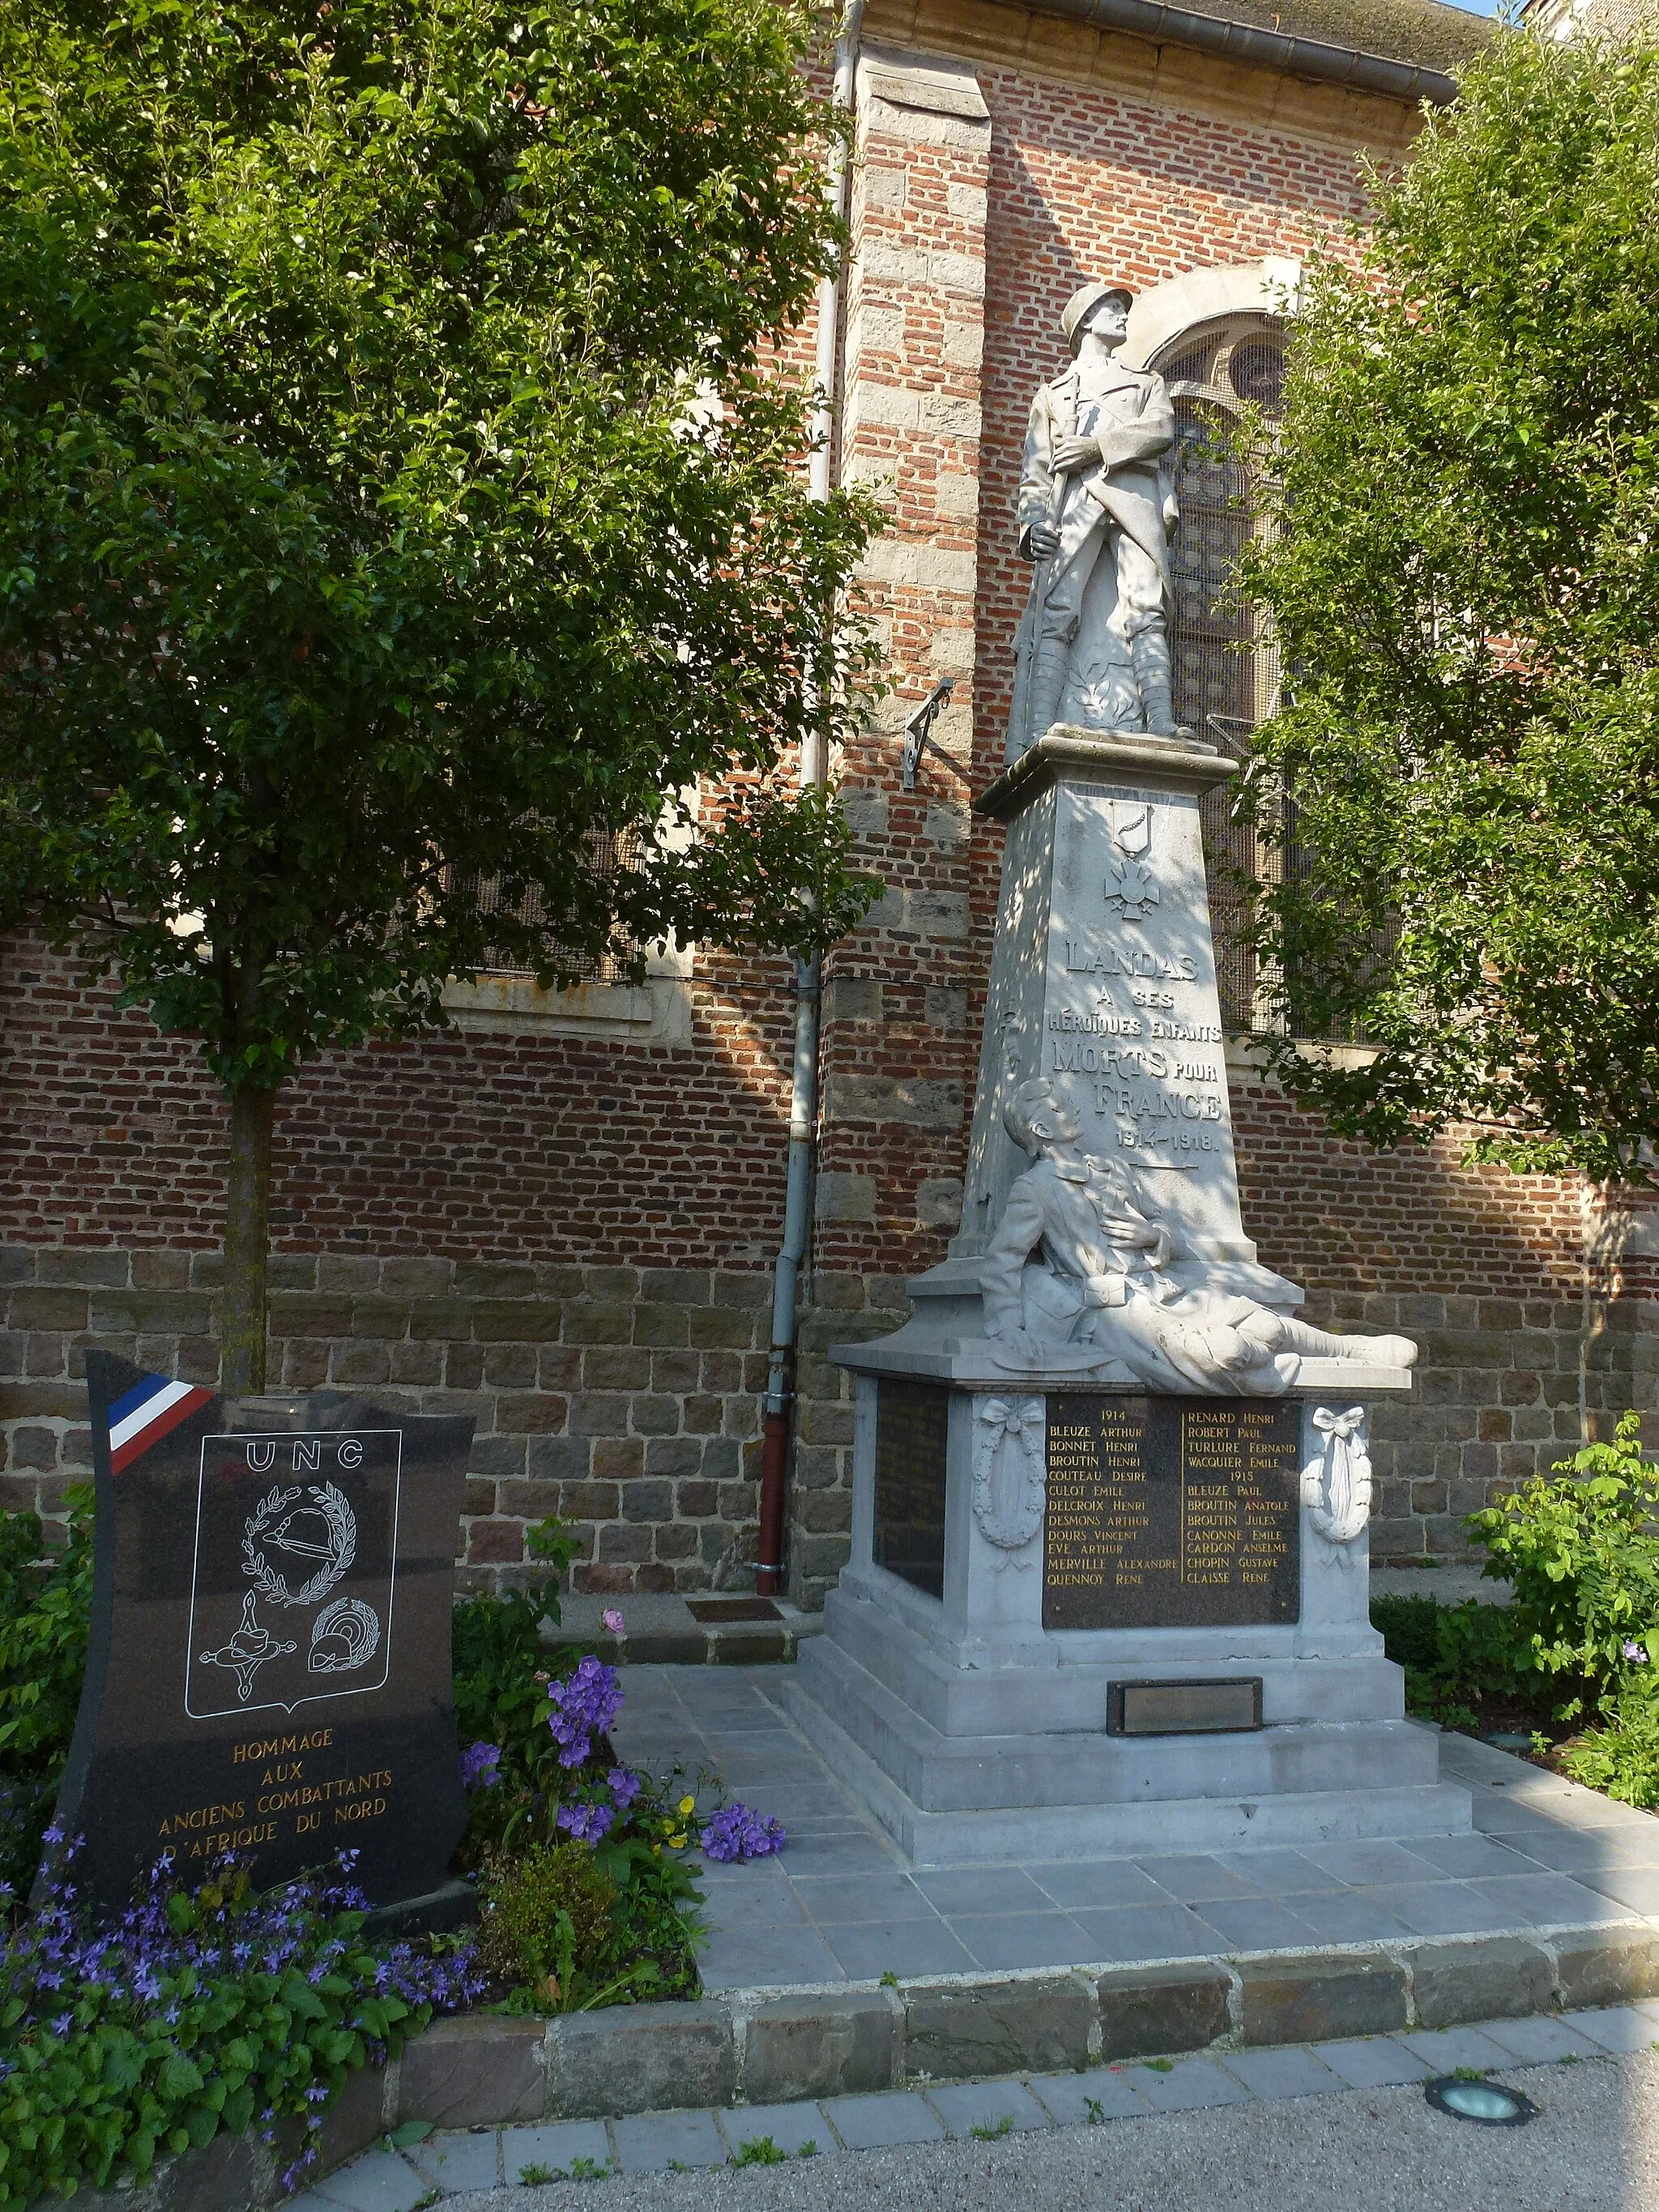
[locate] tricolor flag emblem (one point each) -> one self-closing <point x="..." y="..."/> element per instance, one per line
<point x="149" y="1411"/>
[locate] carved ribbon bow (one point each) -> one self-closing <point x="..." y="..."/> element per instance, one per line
<point x="1336" y="1488"/>
<point x="1009" y="1414"/>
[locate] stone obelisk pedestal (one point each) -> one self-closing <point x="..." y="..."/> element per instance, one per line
<point x="1108" y="1584"/>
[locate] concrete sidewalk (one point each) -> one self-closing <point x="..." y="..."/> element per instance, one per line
<point x="842" y="1906"/>
<point x="1589" y="2127"/>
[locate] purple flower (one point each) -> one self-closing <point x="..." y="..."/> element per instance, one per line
<point x="736" y="1832"/>
<point x="481" y="1764"/>
<point x="584" y="1706"/>
<point x="613" y="1620"/>
<point x="588" y="1824"/>
<point x="1637" y="1654"/>
<point x="625" y="1786"/>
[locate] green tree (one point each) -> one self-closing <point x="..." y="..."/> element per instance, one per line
<point x="396" y="488"/>
<point x="1464" y="581"/>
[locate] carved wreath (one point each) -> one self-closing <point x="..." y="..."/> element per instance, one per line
<point x="272" y="1525"/>
<point x="1008" y="1479"/>
<point x="1336" y="1487"/>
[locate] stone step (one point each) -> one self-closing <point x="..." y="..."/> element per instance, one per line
<point x="715" y="1628"/>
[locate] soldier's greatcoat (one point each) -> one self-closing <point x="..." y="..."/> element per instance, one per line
<point x="1133" y="418"/>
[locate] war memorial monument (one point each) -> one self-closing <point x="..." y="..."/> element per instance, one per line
<point x="1108" y="1584"/>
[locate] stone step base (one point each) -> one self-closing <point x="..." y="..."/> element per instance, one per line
<point x="1014" y="1835"/>
<point x="953" y="1801"/>
<point x="662" y="1631"/>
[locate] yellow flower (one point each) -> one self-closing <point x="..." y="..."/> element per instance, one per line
<point x="677" y="1842"/>
<point x="656" y="1850"/>
<point x="687" y="1806"/>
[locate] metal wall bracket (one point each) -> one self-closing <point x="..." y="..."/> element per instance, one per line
<point x="917" y="739"/>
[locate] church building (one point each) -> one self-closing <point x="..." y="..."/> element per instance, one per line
<point x="564" y="1216"/>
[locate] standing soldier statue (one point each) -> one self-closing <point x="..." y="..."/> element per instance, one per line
<point x="1093" y="644"/>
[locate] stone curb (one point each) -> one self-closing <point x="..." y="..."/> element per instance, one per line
<point x="772" y="2047"/>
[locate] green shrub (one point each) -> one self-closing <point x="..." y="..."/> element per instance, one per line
<point x="502" y="1659"/>
<point x="1620" y="1755"/>
<point x="546" y="1920"/>
<point x="1455" y="1656"/>
<point x="205" y="2011"/>
<point x="1582" y="1555"/>
<point x="46" y="1607"/>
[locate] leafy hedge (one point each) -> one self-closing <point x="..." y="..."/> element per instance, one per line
<point x="45" y="1608"/>
<point x="200" y="2012"/>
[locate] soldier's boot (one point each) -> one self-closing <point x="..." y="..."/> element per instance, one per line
<point x="1046" y="684"/>
<point x="1149" y="649"/>
<point x="1301" y="1336"/>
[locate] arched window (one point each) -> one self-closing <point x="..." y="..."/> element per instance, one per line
<point x="1225" y="667"/>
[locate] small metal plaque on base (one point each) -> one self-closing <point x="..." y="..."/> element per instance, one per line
<point x="1225" y="1706"/>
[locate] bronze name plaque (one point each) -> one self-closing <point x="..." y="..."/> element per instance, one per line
<point x="1172" y="1512"/>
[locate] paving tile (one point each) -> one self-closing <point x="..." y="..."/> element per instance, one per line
<point x="897" y="1946"/>
<point x="1446" y="2049"/>
<point x="1070" y="2096"/>
<point x="1289" y="2072"/>
<point x="1468" y="1856"/>
<point x="1255" y="1923"/>
<point x="1501" y="1816"/>
<point x="1577" y="1851"/>
<point x="311" y="2202"/>
<point x="1373" y="2061"/>
<point x="842" y="1855"/>
<point x="1135" y="1932"/>
<point x="1024" y="1939"/>
<point x="651" y="2142"/>
<point x="557" y="2149"/>
<point x="453" y="2162"/>
<point x="751" y="1771"/>
<point x="895" y="2117"/>
<point x="1348" y="1917"/>
<point x="1434" y="1908"/>
<point x="836" y="1900"/>
<point x="1635" y="1887"/>
<point x="814" y="1801"/>
<point x="1616" y="2027"/>
<point x="965" y="2105"/>
<point x="756" y="1904"/>
<point x="982" y="1889"/>
<point x="1197" y="1878"/>
<point x="1547" y="1901"/>
<point x="1365" y="1865"/>
<point x="1540" y="2041"/>
<point x="791" y="2127"/>
<point x="1190" y="2084"/>
<point x="765" y="1957"/>
<point x="379" y="2181"/>
<point x="1279" y="1873"/>
<point x="1097" y="1885"/>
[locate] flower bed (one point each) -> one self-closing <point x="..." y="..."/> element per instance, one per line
<point x="197" y="2012"/>
<point x="214" y="2009"/>
<point x="585" y="1868"/>
<point x="1568" y="1669"/>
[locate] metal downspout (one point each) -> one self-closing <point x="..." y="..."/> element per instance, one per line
<point x="814" y="767"/>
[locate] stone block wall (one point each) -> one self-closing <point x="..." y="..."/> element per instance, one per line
<point x="626" y="1400"/>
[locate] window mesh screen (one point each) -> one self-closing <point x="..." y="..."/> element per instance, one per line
<point x="606" y="854"/>
<point x="1224" y="665"/>
<point x="1226" y="661"/>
